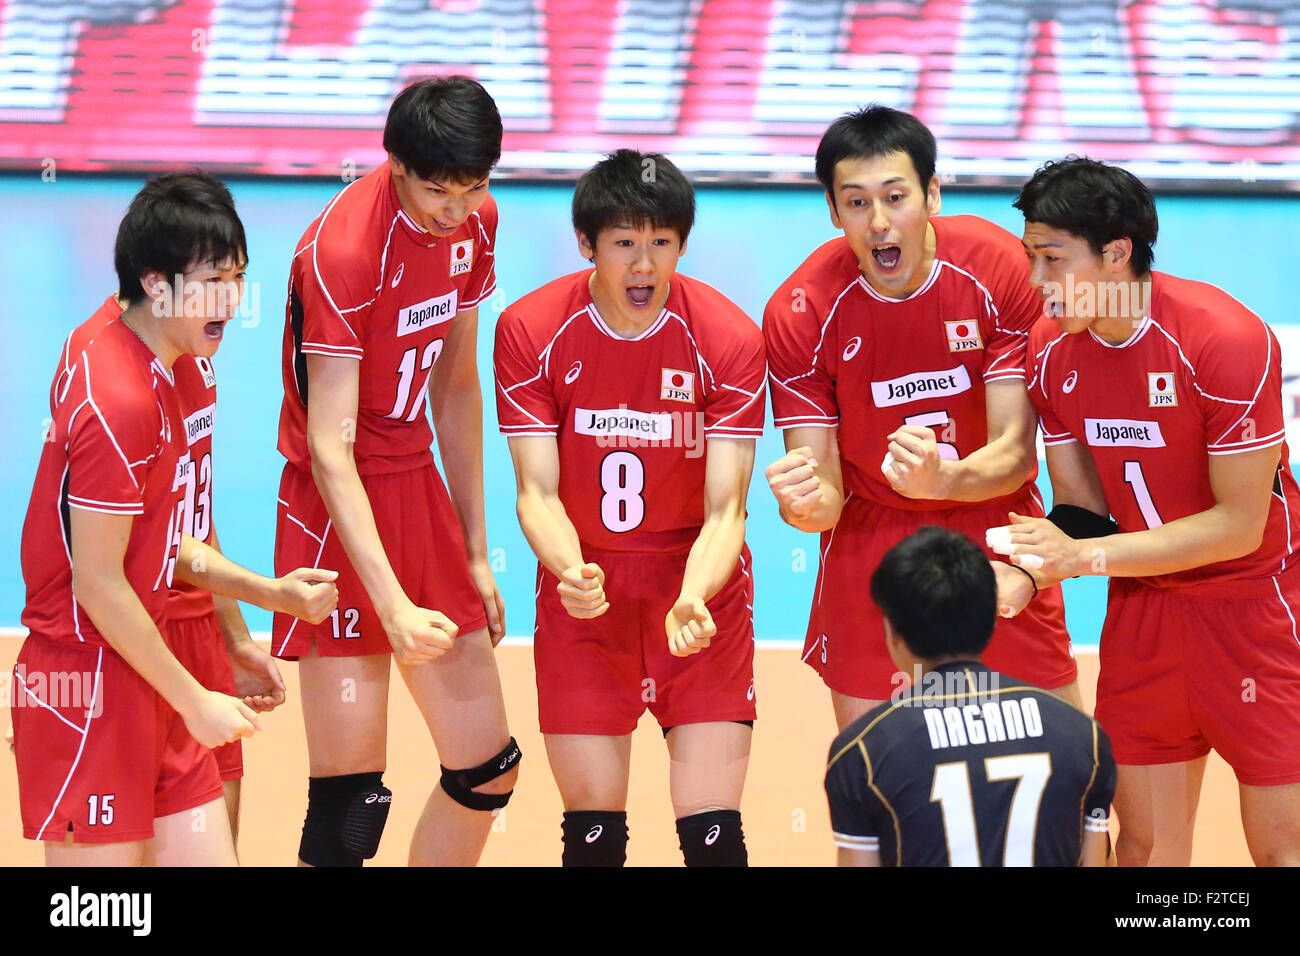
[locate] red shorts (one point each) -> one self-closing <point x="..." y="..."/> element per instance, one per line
<point x="421" y="537"/>
<point x="99" y="752"/>
<point x="1217" y="665"/>
<point x="598" y="676"/>
<point x="845" y="642"/>
<point x="199" y="646"/>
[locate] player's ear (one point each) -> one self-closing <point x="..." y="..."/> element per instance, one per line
<point x="1117" y="254"/>
<point x="933" y="198"/>
<point x="395" y="166"/>
<point x="585" y="248"/>
<point x="156" y="285"/>
<point x="835" y="215"/>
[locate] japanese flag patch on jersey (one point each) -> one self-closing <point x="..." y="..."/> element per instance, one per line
<point x="963" y="335"/>
<point x="209" y="375"/>
<point x="1160" y="385"/>
<point x="678" y="386"/>
<point x="462" y="257"/>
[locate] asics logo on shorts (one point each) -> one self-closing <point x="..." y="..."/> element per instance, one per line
<point x="594" y="833"/>
<point x="851" y="349"/>
<point x="711" y="837"/>
<point x="1070" y="381"/>
<point x="749" y="694"/>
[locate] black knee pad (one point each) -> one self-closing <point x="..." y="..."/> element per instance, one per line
<point x="594" y="838"/>
<point x="460" y="784"/>
<point x="713" y="838"/>
<point x="345" y="819"/>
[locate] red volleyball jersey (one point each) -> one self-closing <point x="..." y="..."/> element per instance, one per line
<point x="1201" y="376"/>
<point x="196" y="395"/>
<point x="367" y="283"/>
<point x="115" y="445"/>
<point x="842" y="355"/>
<point x="631" y="416"/>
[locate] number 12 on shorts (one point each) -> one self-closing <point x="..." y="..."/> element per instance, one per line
<point x="351" y="618"/>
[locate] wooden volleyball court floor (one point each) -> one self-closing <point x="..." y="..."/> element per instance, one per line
<point x="786" y="822"/>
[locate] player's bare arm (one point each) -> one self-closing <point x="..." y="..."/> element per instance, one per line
<point x="308" y="593"/>
<point x="257" y="677"/>
<point x="1075" y="482"/>
<point x="457" y="405"/>
<point x="1096" y="849"/>
<point x="99" y="582"/>
<point x="847" y="857"/>
<point x="998" y="468"/>
<point x="548" y="529"/>
<point x="1233" y="527"/>
<point x="806" y="480"/>
<point x="729" y="462"/>
<point x="416" y="634"/>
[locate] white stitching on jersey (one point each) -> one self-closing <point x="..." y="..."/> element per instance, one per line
<point x="752" y="397"/>
<point x="85" y="363"/>
<point x="315" y="261"/>
<point x="94" y="696"/>
<point x="315" y="564"/>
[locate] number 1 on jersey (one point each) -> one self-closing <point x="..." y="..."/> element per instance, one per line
<point x="935" y="420"/>
<point x="1133" y="475"/>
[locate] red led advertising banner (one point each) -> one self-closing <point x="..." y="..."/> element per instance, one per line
<point x="1184" y="92"/>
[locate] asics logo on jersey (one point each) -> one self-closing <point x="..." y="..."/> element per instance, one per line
<point x="429" y="312"/>
<point x="919" y="385"/>
<point x="594" y="833"/>
<point x="851" y="349"/>
<point x="572" y="374"/>
<point x="1070" y="381"/>
<point x="711" y="837"/>
<point x="1123" y="433"/>
<point x="397" y="276"/>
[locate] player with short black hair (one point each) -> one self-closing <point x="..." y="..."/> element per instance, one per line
<point x="968" y="767"/>
<point x="897" y="376"/>
<point x="1161" y="405"/>
<point x="382" y="315"/>
<point x="119" y="774"/>
<point x="631" y="396"/>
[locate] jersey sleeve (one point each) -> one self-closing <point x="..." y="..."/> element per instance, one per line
<point x="525" y="401"/>
<point x="111" y="442"/>
<point x="1239" y="387"/>
<point x="803" y="392"/>
<point x="1037" y="355"/>
<point x="334" y="295"/>
<point x="852" y="803"/>
<point x="735" y="405"/>
<point x="1013" y="307"/>
<point x="483" y="274"/>
<point x="1098" y="798"/>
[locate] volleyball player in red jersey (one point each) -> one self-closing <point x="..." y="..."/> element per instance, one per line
<point x="386" y="282"/>
<point x="1161" y="405"/>
<point x="904" y="338"/>
<point x="206" y="632"/>
<point x="106" y="776"/>
<point x="632" y="396"/>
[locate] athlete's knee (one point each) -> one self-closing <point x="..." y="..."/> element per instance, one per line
<point x="488" y="786"/>
<point x="594" y="838"/>
<point x="345" y="819"/>
<point x="713" y="838"/>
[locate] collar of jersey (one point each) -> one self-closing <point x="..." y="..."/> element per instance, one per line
<point x="935" y="266"/>
<point x="1131" y="340"/>
<point x="599" y="322"/>
<point x="154" y="361"/>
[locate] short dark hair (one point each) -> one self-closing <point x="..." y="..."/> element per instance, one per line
<point x="445" y="128"/>
<point x="633" y="188"/>
<point x="938" y="592"/>
<point x="875" y="131"/>
<point x="175" y="220"/>
<point x="1095" y="202"/>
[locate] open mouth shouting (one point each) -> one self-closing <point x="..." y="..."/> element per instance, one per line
<point x="214" y="330"/>
<point x="640" y="295"/>
<point x="887" y="257"/>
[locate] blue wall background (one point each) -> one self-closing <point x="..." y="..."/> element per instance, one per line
<point x="57" y="268"/>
